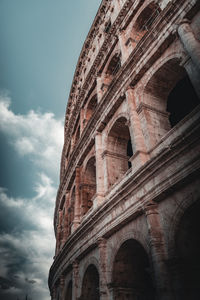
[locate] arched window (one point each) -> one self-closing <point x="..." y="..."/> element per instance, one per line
<point x="114" y="65"/>
<point x="119" y="150"/>
<point x="145" y="20"/>
<point x="90" y="108"/>
<point x="90" y="284"/>
<point x="187" y="255"/>
<point x="89" y="185"/>
<point x="131" y="276"/>
<point x="170" y="96"/>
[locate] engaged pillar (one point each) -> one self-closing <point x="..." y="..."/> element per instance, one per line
<point x="158" y="253"/>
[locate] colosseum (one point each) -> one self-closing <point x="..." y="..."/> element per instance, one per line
<point x="126" y="220"/>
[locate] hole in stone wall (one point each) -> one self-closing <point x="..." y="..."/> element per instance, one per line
<point x="187" y="251"/>
<point x="90" y="284"/>
<point x="132" y="273"/>
<point x="181" y="100"/>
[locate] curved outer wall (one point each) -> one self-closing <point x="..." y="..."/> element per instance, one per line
<point x="126" y="214"/>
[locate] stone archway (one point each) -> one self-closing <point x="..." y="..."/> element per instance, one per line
<point x="166" y="100"/>
<point x="131" y="274"/>
<point x="119" y="150"/>
<point x="187" y="261"/>
<point x="88" y="187"/>
<point x="90" y="284"/>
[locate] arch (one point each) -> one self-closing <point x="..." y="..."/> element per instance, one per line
<point x="147" y="16"/>
<point x="90" y="108"/>
<point x="119" y="150"/>
<point x="188" y="201"/>
<point x="131" y="273"/>
<point x="68" y="294"/>
<point x="90" y="284"/>
<point x="133" y="234"/>
<point x="165" y="102"/>
<point x="187" y="249"/>
<point x="88" y="187"/>
<point x="114" y="65"/>
<point x="144" y="19"/>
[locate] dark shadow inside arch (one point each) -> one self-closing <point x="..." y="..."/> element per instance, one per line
<point x="181" y="100"/>
<point x="69" y="291"/>
<point x="187" y="243"/>
<point x="90" y="284"/>
<point x="89" y="186"/>
<point x="131" y="278"/>
<point x="120" y="150"/>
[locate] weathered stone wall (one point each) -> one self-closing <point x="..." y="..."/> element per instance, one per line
<point x="126" y="216"/>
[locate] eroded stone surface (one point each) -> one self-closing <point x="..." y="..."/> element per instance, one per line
<point x="126" y="216"/>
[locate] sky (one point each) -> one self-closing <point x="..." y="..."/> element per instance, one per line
<point x="40" y="41"/>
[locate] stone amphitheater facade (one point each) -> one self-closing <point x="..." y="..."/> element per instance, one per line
<point x="127" y="211"/>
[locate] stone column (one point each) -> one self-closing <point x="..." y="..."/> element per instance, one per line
<point x="140" y="155"/>
<point x="53" y="294"/>
<point x="123" y="48"/>
<point x="62" y="286"/>
<point x="158" y="253"/>
<point x="99" y="87"/>
<point x="76" y="221"/>
<point x="102" y="269"/>
<point x="59" y="232"/>
<point x="75" y="280"/>
<point x="100" y="174"/>
<point x="65" y="221"/>
<point x="189" y="41"/>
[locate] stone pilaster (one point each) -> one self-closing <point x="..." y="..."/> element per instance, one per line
<point x="158" y="253"/>
<point x="59" y="232"/>
<point x="138" y="144"/>
<point x="62" y="286"/>
<point x="189" y="41"/>
<point x="65" y="221"/>
<point x="103" y="269"/>
<point x="76" y="221"/>
<point x="100" y="173"/>
<point x="122" y="41"/>
<point x="53" y="294"/>
<point x="75" y="280"/>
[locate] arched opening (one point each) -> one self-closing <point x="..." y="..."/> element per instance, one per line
<point x="131" y="276"/>
<point x="181" y="100"/>
<point x="119" y="150"/>
<point x="90" y="284"/>
<point x="169" y="96"/>
<point x="187" y="245"/>
<point x="114" y="65"/>
<point x="69" y="291"/>
<point x="89" y="185"/>
<point x="145" y="20"/>
<point x="90" y="109"/>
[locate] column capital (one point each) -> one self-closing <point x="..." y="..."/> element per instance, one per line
<point x="101" y="242"/>
<point x="150" y="208"/>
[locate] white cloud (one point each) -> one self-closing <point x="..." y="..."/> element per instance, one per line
<point x="27" y="254"/>
<point x="27" y="247"/>
<point x="35" y="134"/>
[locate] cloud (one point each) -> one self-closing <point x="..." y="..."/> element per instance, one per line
<point x="26" y="252"/>
<point x="27" y="241"/>
<point x="36" y="135"/>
